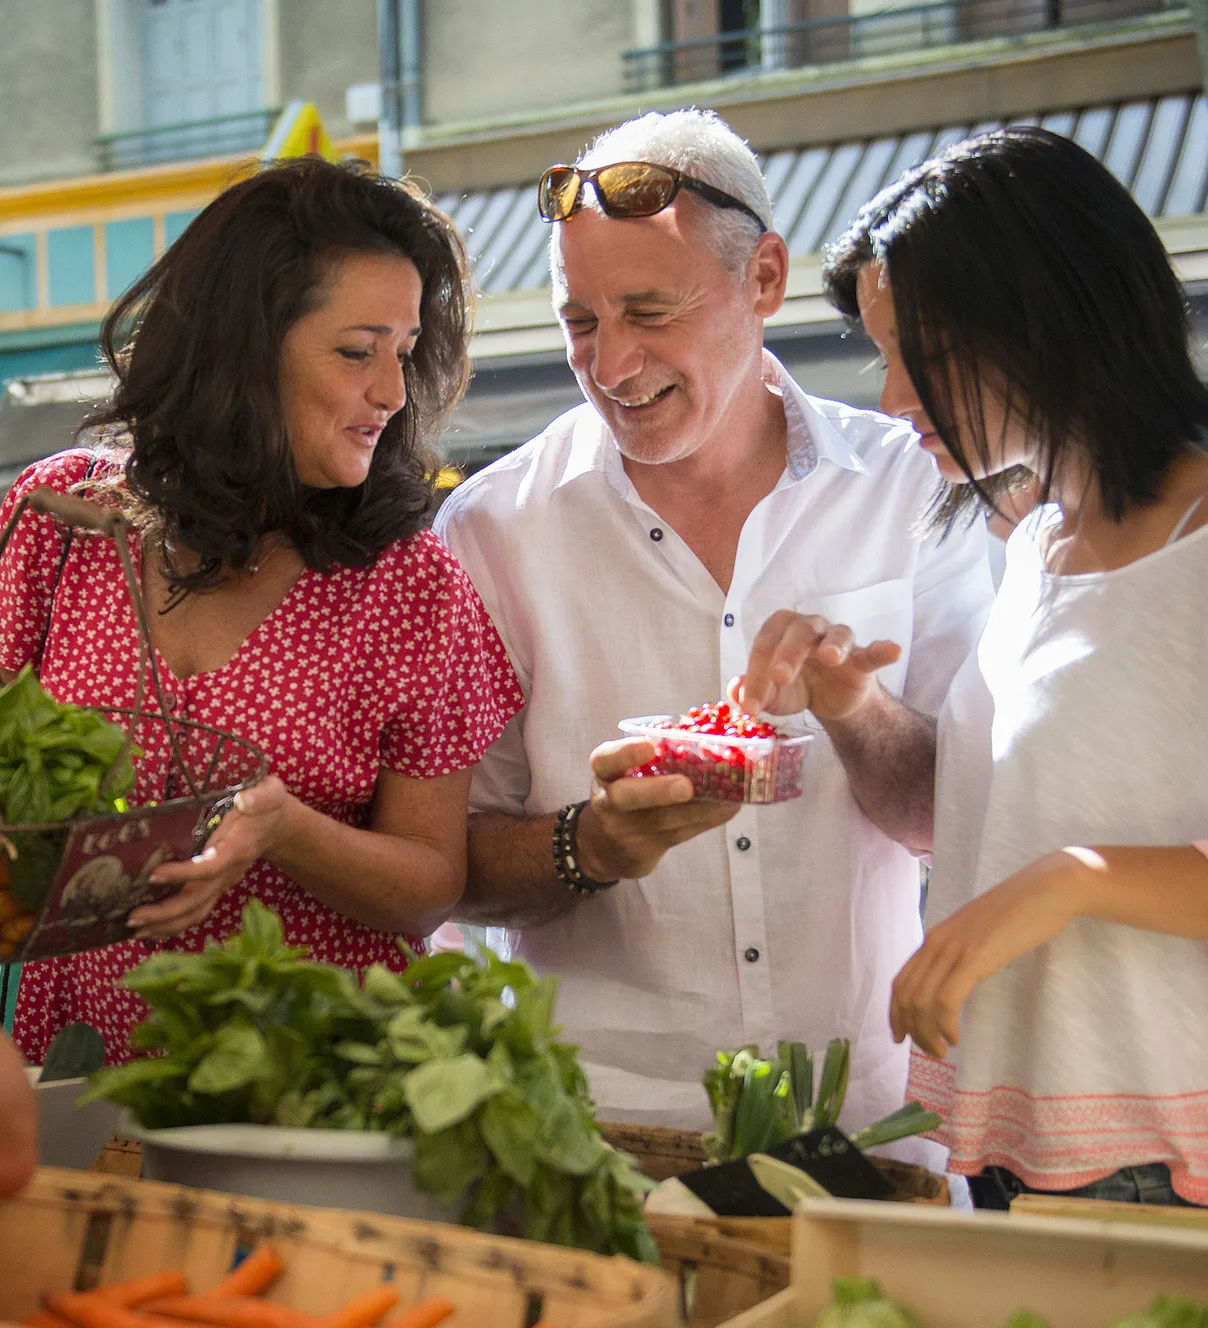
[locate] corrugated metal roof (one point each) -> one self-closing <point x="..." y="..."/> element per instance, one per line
<point x="1158" y="148"/>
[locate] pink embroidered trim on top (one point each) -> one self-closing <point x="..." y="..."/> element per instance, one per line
<point x="1060" y="1143"/>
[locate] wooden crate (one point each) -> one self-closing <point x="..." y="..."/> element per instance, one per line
<point x="959" y="1269"/>
<point x="659" y="1152"/>
<point x="120" y="1157"/>
<point x="77" y="1229"/>
<point x="724" y="1265"/>
<point x="1103" y="1210"/>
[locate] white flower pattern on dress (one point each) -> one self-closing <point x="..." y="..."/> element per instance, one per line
<point x="396" y="665"/>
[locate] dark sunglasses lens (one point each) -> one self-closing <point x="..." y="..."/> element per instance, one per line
<point x="558" y="193"/>
<point x="635" y="189"/>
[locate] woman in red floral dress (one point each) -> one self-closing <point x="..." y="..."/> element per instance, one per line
<point x="290" y="353"/>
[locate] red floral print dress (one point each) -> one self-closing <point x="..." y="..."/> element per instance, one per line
<point x="396" y="665"/>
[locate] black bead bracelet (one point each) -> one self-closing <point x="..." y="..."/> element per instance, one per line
<point x="566" y="853"/>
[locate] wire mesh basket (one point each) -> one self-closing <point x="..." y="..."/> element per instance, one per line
<point x="67" y="886"/>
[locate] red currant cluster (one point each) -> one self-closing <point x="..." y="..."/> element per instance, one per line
<point x="726" y="772"/>
<point x="721" y="720"/>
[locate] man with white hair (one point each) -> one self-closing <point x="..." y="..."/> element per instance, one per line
<point x="628" y="557"/>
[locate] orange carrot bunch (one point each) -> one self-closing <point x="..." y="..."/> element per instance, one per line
<point x="162" y="1300"/>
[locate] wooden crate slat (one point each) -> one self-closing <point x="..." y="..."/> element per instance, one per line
<point x="330" y="1255"/>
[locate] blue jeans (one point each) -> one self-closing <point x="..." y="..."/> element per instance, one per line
<point x="995" y="1187"/>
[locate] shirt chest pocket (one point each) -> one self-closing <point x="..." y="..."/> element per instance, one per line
<point x="880" y="612"/>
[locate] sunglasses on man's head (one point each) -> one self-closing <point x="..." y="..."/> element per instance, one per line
<point x="625" y="189"/>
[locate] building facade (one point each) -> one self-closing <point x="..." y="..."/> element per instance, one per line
<point x="131" y="114"/>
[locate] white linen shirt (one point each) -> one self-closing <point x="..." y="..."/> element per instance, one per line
<point x="1081" y="718"/>
<point x="791" y="920"/>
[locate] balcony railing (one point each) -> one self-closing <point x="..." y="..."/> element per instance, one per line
<point x="219" y="136"/>
<point x="894" y="31"/>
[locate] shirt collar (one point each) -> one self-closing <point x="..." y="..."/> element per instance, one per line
<point x="812" y="436"/>
<point x="593" y="449"/>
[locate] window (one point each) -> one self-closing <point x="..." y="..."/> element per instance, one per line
<point x="185" y="78"/>
<point x="747" y="33"/>
<point x="201" y="59"/>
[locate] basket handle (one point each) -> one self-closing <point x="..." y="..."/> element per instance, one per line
<point x="73" y="511"/>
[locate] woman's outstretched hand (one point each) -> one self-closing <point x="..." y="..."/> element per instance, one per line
<point x="803" y="662"/>
<point x="252" y="829"/>
<point x="1015" y="917"/>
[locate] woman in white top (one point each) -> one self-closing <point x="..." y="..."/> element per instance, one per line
<point x="1033" y="331"/>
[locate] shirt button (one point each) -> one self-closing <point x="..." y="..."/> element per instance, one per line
<point x="750" y="954"/>
<point x="656" y="534"/>
<point x="742" y="843"/>
<point x="728" y="620"/>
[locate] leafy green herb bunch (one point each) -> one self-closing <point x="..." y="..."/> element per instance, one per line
<point x="53" y="758"/>
<point x="459" y="1053"/>
<point x="760" y="1102"/>
<point x="53" y="761"/>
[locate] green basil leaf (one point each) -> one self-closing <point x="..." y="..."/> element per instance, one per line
<point x="444" y="1092"/>
<point x="492" y="1194"/>
<point x="529" y="1030"/>
<point x="261" y="936"/>
<point x="77" y="1050"/>
<point x="116" y="1081"/>
<point x="510" y="1126"/>
<point x="385" y="986"/>
<point x="360" y="1053"/>
<point x="240" y="1057"/>
<point x="414" y="1039"/>
<point x="436" y="971"/>
<point x="447" y="1163"/>
<point x="567" y="1141"/>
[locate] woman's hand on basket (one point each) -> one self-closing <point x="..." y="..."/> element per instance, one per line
<point x="250" y="830"/>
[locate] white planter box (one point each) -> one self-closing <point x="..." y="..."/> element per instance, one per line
<point x="354" y="1169"/>
<point x="68" y="1135"/>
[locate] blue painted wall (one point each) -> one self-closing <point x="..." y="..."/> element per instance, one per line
<point x="175" y="223"/>
<point x="129" y="252"/>
<point x="21" y="363"/>
<point x="72" y="279"/>
<point x="17" y="273"/>
<point x="71" y="261"/>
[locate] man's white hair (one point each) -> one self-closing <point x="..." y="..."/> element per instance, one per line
<point x="702" y="145"/>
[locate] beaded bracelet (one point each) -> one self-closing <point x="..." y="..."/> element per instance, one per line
<point x="566" y="853"/>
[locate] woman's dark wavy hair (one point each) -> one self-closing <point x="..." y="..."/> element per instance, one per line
<point x="1019" y="263"/>
<point x="195" y="345"/>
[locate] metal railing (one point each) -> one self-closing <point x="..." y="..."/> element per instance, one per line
<point x="218" y="136"/>
<point x="893" y="31"/>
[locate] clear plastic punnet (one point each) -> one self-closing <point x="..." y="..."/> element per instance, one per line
<point x="722" y="767"/>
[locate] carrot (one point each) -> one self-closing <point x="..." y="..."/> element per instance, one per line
<point x="44" y="1319"/>
<point x="231" y="1312"/>
<point x="427" y="1314"/>
<point x="363" y="1310"/>
<point x="140" y="1289"/>
<point x="88" y="1310"/>
<point x="254" y="1274"/>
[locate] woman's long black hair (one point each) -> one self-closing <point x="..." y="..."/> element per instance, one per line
<point x="1019" y="264"/>
<point x="196" y="343"/>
